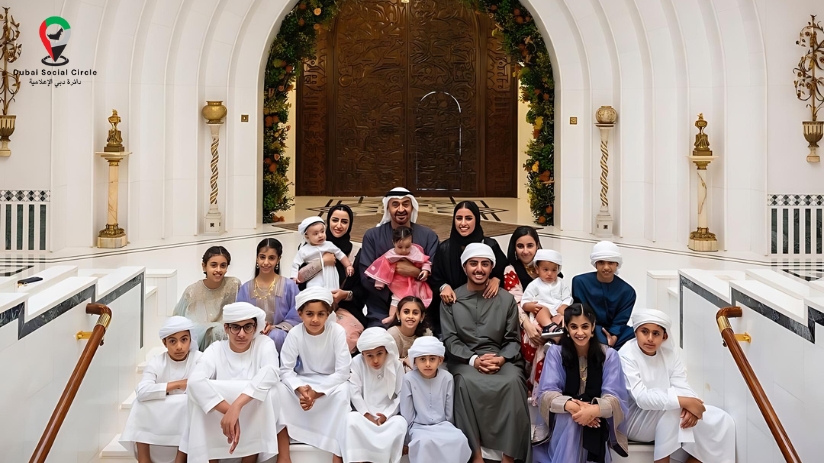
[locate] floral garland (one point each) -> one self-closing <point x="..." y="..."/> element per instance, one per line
<point x="521" y="39"/>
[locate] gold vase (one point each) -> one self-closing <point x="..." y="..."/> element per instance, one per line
<point x="6" y="129"/>
<point x="606" y="115"/>
<point x="813" y="131"/>
<point x="214" y="112"/>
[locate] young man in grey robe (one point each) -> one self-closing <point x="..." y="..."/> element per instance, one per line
<point x="400" y="209"/>
<point x="482" y="338"/>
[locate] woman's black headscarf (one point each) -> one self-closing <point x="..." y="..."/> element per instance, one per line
<point x="457" y="243"/>
<point x="344" y="243"/>
<point x="512" y="255"/>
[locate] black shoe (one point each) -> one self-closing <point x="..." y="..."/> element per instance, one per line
<point x="552" y="331"/>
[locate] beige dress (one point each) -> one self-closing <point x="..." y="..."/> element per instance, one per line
<point x="204" y="306"/>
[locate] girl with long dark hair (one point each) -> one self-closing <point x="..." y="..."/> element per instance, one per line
<point x="582" y="395"/>
<point x="271" y="292"/>
<point x="203" y="301"/>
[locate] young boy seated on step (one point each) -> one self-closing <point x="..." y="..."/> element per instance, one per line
<point x="662" y="405"/>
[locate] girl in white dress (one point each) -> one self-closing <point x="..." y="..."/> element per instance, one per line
<point x="157" y="420"/>
<point x="427" y="399"/>
<point x="374" y="431"/>
<point x="315" y="395"/>
<point x="234" y="399"/>
<point x="662" y="405"/>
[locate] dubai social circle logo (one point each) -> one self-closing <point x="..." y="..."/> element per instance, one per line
<point x="55" y="32"/>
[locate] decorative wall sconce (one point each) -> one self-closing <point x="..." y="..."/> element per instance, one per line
<point x="113" y="236"/>
<point x="808" y="86"/>
<point x="10" y="83"/>
<point x="214" y="112"/>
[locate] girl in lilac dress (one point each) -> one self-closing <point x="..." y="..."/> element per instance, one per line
<point x="582" y="395"/>
<point x="271" y="292"/>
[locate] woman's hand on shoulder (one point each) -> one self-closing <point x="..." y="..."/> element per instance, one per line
<point x="447" y="295"/>
<point x="329" y="259"/>
<point x="532" y="332"/>
<point x="492" y="288"/>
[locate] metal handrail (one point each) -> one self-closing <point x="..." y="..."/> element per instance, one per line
<point x="767" y="411"/>
<point x="66" y="399"/>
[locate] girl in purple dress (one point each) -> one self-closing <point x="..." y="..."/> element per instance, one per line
<point x="271" y="292"/>
<point x="582" y="395"/>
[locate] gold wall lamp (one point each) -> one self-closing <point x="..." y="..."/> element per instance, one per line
<point x="10" y="82"/>
<point x="808" y="86"/>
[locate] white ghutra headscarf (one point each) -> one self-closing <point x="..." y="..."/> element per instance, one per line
<point x="643" y="316"/>
<point x="399" y="193"/>
<point x="606" y="251"/>
<point x="425" y="345"/>
<point x="177" y="324"/>
<point x="372" y="338"/>
<point x="239" y="311"/>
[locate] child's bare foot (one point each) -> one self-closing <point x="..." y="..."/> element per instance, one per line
<point x="336" y="459"/>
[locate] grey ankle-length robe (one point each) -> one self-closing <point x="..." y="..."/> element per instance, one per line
<point x="491" y="409"/>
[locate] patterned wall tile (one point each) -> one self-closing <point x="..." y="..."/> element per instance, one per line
<point x="25" y="196"/>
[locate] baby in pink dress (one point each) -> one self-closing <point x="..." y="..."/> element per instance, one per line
<point x="383" y="271"/>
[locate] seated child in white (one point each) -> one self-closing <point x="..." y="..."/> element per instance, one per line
<point x="314" y="246"/>
<point x="374" y="431"/>
<point x="427" y="405"/>
<point x="158" y="418"/>
<point x="315" y="394"/>
<point x="548" y="295"/>
<point x="234" y="396"/>
<point x="662" y="406"/>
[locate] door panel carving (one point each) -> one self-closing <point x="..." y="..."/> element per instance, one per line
<point x="416" y="94"/>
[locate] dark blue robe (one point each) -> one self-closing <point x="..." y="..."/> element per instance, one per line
<point x="612" y="303"/>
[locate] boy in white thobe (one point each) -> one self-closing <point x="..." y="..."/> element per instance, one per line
<point x="316" y="394"/>
<point x="157" y="420"/>
<point x="234" y="399"/>
<point x="662" y="405"/>
<point x="374" y="431"/>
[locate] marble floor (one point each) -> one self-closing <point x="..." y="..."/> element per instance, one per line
<point x="184" y="254"/>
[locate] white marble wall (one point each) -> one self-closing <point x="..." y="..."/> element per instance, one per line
<point x="658" y="63"/>
<point x="35" y="372"/>
<point x="787" y="365"/>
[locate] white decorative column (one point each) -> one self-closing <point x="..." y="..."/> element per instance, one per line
<point x="214" y="111"/>
<point x="605" y="117"/>
<point x="113" y="236"/>
<point x="702" y="239"/>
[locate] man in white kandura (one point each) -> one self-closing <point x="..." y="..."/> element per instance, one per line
<point x="662" y="405"/>
<point x="234" y="399"/>
<point x="158" y="418"/>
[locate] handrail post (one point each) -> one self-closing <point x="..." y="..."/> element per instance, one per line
<point x="757" y="391"/>
<point x="66" y="399"/>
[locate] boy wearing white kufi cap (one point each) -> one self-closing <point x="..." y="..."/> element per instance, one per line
<point x="313" y="231"/>
<point x="662" y="405"/>
<point x="157" y="420"/>
<point x="400" y="209"/>
<point x="610" y="297"/>
<point x="546" y="297"/>
<point x="427" y="403"/>
<point x="235" y="381"/>
<point x="315" y="397"/>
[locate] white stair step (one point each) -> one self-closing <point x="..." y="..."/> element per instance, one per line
<point x="116" y="451"/>
<point x="150" y="290"/>
<point x="155" y="351"/>
<point x="127" y="404"/>
<point x="638" y="453"/>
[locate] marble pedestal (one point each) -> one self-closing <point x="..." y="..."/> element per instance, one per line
<point x="702" y="240"/>
<point x="603" y="224"/>
<point x="112" y="237"/>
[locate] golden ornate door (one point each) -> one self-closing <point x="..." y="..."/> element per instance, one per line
<point x="413" y="94"/>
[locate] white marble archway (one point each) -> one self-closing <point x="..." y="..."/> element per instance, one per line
<point x="659" y="63"/>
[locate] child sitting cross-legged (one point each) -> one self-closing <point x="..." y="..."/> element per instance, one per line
<point x="157" y="420"/>
<point x="374" y="431"/>
<point x="548" y="295"/>
<point x="427" y="405"/>
<point x="662" y="405"/>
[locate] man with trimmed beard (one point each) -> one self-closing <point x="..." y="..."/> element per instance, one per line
<point x="400" y="209"/>
<point x="482" y="339"/>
